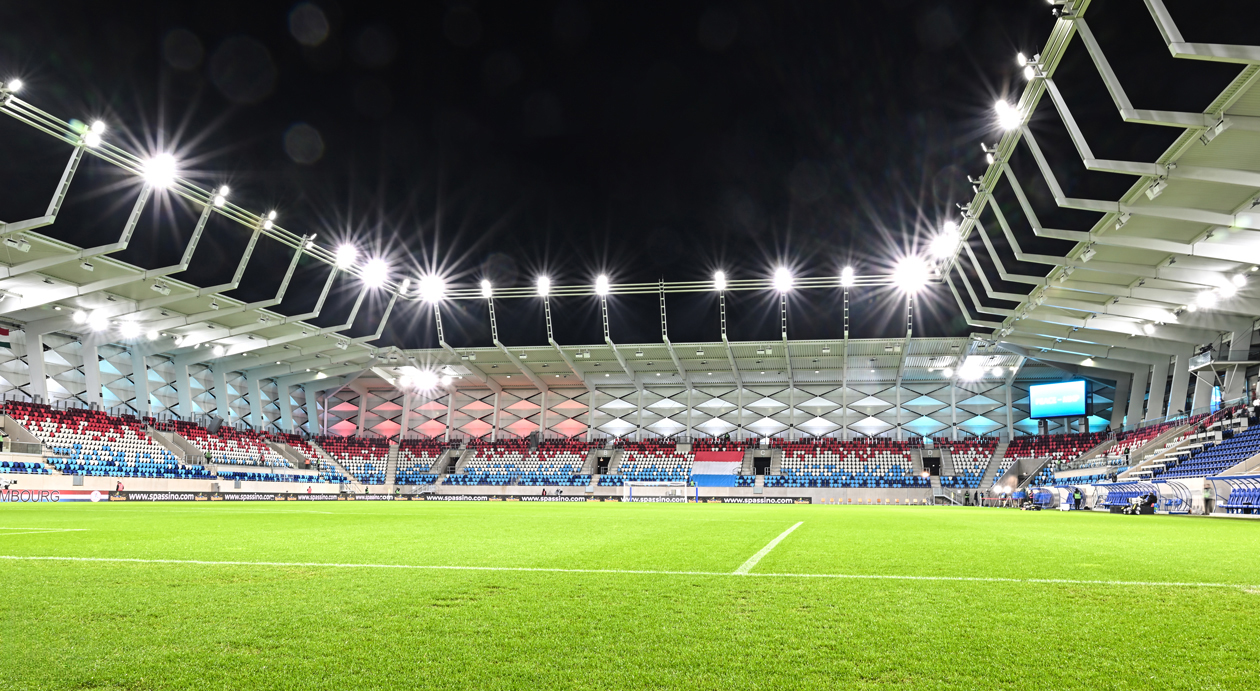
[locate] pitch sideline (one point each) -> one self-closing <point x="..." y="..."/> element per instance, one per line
<point x="650" y="572"/>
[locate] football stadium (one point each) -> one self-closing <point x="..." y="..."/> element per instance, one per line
<point x="315" y="372"/>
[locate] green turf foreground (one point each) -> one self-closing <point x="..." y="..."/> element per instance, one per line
<point x="587" y="616"/>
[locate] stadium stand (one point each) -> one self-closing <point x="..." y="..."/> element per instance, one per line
<point x="362" y="458"/>
<point x="1056" y="447"/>
<point x="1081" y="480"/>
<point x="971" y="458"/>
<point x="493" y="463"/>
<point x="659" y="461"/>
<point x="1212" y="459"/>
<point x="830" y="462"/>
<point x="415" y="457"/>
<point x="326" y="469"/>
<point x="91" y="443"/>
<point x="557" y="463"/>
<point x="24" y="468"/>
<point x="271" y="477"/>
<point x="227" y="446"/>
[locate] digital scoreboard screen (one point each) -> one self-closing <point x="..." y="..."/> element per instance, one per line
<point x="1064" y="399"/>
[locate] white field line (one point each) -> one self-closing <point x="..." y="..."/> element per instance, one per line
<point x="752" y="561"/>
<point x="528" y="569"/>
<point x="40" y="530"/>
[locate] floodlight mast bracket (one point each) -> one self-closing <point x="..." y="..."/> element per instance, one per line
<point x="621" y="360"/>
<point x="123" y="240"/>
<point x="730" y="356"/>
<point x="106" y="284"/>
<point x="54" y="205"/>
<point x="1215" y="52"/>
<point x="682" y="371"/>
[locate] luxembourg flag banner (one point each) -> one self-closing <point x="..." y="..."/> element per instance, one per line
<point x="716" y="468"/>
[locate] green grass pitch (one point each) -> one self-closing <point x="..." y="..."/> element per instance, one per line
<point x="621" y="596"/>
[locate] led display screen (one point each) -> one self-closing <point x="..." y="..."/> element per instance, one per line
<point x="1064" y="399"/>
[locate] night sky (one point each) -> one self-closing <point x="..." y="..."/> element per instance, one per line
<point x="645" y="139"/>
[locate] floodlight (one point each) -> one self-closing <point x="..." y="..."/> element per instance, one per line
<point x="92" y="138"/>
<point x="1227" y="290"/>
<point x="544" y="286"/>
<point x="97" y="320"/>
<point x="1021" y="59"/>
<point x="423" y="380"/>
<point x="1148" y="328"/>
<point x="1239" y="280"/>
<point x="601" y="285"/>
<point x="1009" y="117"/>
<point x="432" y="288"/>
<point x="1206" y="299"/>
<point x="1029" y="72"/>
<point x="944" y="244"/>
<point x="375" y="273"/>
<point x="911" y="274"/>
<point x="487" y="289"/>
<point x="14" y="85"/>
<point x="79" y="317"/>
<point x="1088" y="362"/>
<point x="152" y="335"/>
<point x="997" y="371"/>
<point x="719" y="280"/>
<point x="948" y="372"/>
<point x="129" y="329"/>
<point x="970" y="372"/>
<point x="346" y="254"/>
<point x="160" y="170"/>
<point x="782" y="279"/>
<point x="846" y="276"/>
<point x="446" y="380"/>
<point x="988" y="158"/>
<point x="271" y="215"/>
<point x="219" y="351"/>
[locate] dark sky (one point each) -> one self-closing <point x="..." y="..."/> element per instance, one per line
<point x="643" y="139"/>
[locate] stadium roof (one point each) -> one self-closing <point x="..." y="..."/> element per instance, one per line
<point x="1163" y="270"/>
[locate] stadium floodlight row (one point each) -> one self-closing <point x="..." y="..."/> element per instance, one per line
<point x="1165" y="271"/>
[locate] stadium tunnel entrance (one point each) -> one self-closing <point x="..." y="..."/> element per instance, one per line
<point x="761" y="465"/>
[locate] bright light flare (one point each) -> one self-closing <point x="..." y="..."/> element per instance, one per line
<point x="129" y="329"/>
<point x="1206" y="299"/>
<point x="970" y="371"/>
<point x="14" y="85"/>
<point x="219" y="351"/>
<point x="948" y="372"/>
<point x="911" y="274"/>
<point x="1148" y="328"/>
<point x="783" y="279"/>
<point x="346" y="254"/>
<point x="375" y="272"/>
<point x="153" y="335"/>
<point x="97" y="320"/>
<point x="719" y="280"/>
<point x="487" y="288"/>
<point x="997" y="371"/>
<point x="1239" y="280"/>
<point x="601" y="285"/>
<point x="432" y="288"/>
<point x="1228" y="290"/>
<point x="944" y="244"/>
<point x="160" y="170"/>
<point x="79" y="317"/>
<point x="1008" y="116"/>
<point x="846" y="276"/>
<point x="421" y="380"/>
<point x="544" y="286"/>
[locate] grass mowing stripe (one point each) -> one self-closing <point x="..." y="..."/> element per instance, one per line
<point x="648" y="572"/>
<point x="752" y="561"/>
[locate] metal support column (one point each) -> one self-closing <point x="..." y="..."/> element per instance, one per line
<point x="91" y="373"/>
